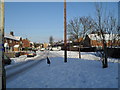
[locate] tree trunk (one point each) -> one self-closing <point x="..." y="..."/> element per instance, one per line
<point x="79" y="52"/>
<point x="105" y="63"/>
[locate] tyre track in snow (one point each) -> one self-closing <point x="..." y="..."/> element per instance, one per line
<point x="21" y="68"/>
<point x="22" y="63"/>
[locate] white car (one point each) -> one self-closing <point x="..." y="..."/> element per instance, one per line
<point x="56" y="48"/>
<point x="42" y="49"/>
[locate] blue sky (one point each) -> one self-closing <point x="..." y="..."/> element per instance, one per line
<point x="38" y="21"/>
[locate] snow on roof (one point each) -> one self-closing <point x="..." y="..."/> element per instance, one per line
<point x="12" y="37"/>
<point x="32" y="42"/>
<point x="107" y="37"/>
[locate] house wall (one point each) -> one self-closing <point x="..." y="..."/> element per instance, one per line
<point x="109" y="43"/>
<point x="95" y="43"/>
<point x="113" y="43"/>
<point x="45" y="45"/>
<point x="86" y="42"/>
<point x="16" y="49"/>
<point x="11" y="43"/>
<point x="25" y="43"/>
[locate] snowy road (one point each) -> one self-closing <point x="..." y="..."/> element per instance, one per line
<point x="14" y="70"/>
<point x="76" y="73"/>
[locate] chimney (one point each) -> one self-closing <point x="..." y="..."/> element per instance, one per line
<point x="12" y="33"/>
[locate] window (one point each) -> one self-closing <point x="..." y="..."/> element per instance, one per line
<point x="10" y="41"/>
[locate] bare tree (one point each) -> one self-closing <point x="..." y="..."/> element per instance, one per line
<point x="80" y="27"/>
<point x="74" y="30"/>
<point x="106" y="25"/>
<point x="113" y="30"/>
<point x="87" y="25"/>
<point x="100" y="27"/>
<point x="51" y="40"/>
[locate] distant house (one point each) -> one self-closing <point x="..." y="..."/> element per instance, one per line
<point x="45" y="45"/>
<point x="95" y="40"/>
<point x="38" y="45"/>
<point x="79" y="39"/>
<point x="32" y="44"/>
<point x="111" y="40"/>
<point x="92" y="40"/>
<point x="12" y="43"/>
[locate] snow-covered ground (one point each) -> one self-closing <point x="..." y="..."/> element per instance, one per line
<point x="23" y="58"/>
<point x="84" y="55"/>
<point x="70" y="54"/>
<point x="76" y="73"/>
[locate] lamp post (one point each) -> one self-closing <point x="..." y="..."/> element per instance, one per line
<point x="65" y="33"/>
<point x="2" y="70"/>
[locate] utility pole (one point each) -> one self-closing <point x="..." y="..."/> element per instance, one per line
<point x="2" y="69"/>
<point x="65" y="33"/>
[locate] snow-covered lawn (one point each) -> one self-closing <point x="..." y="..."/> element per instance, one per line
<point x="84" y="55"/>
<point x="70" y="54"/>
<point x="76" y="73"/>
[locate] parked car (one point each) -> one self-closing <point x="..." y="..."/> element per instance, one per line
<point x="7" y="60"/>
<point x="17" y="54"/>
<point x="50" y="48"/>
<point x="56" y="49"/>
<point x="42" y="49"/>
<point x="31" y="54"/>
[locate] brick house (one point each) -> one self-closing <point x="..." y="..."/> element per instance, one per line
<point x="111" y="40"/>
<point x="45" y="45"/>
<point x="93" y="40"/>
<point x="79" y="39"/>
<point x="12" y="43"/>
<point x="26" y="43"/>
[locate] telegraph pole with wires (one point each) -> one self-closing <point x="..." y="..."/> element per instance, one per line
<point x="2" y="69"/>
<point x="65" y="33"/>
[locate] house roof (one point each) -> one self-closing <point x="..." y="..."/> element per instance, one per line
<point x="32" y="42"/>
<point x="107" y="37"/>
<point x="12" y="37"/>
<point x="79" y="39"/>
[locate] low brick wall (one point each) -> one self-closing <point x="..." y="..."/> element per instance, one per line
<point x="13" y="54"/>
<point x="87" y="49"/>
<point x="10" y="54"/>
